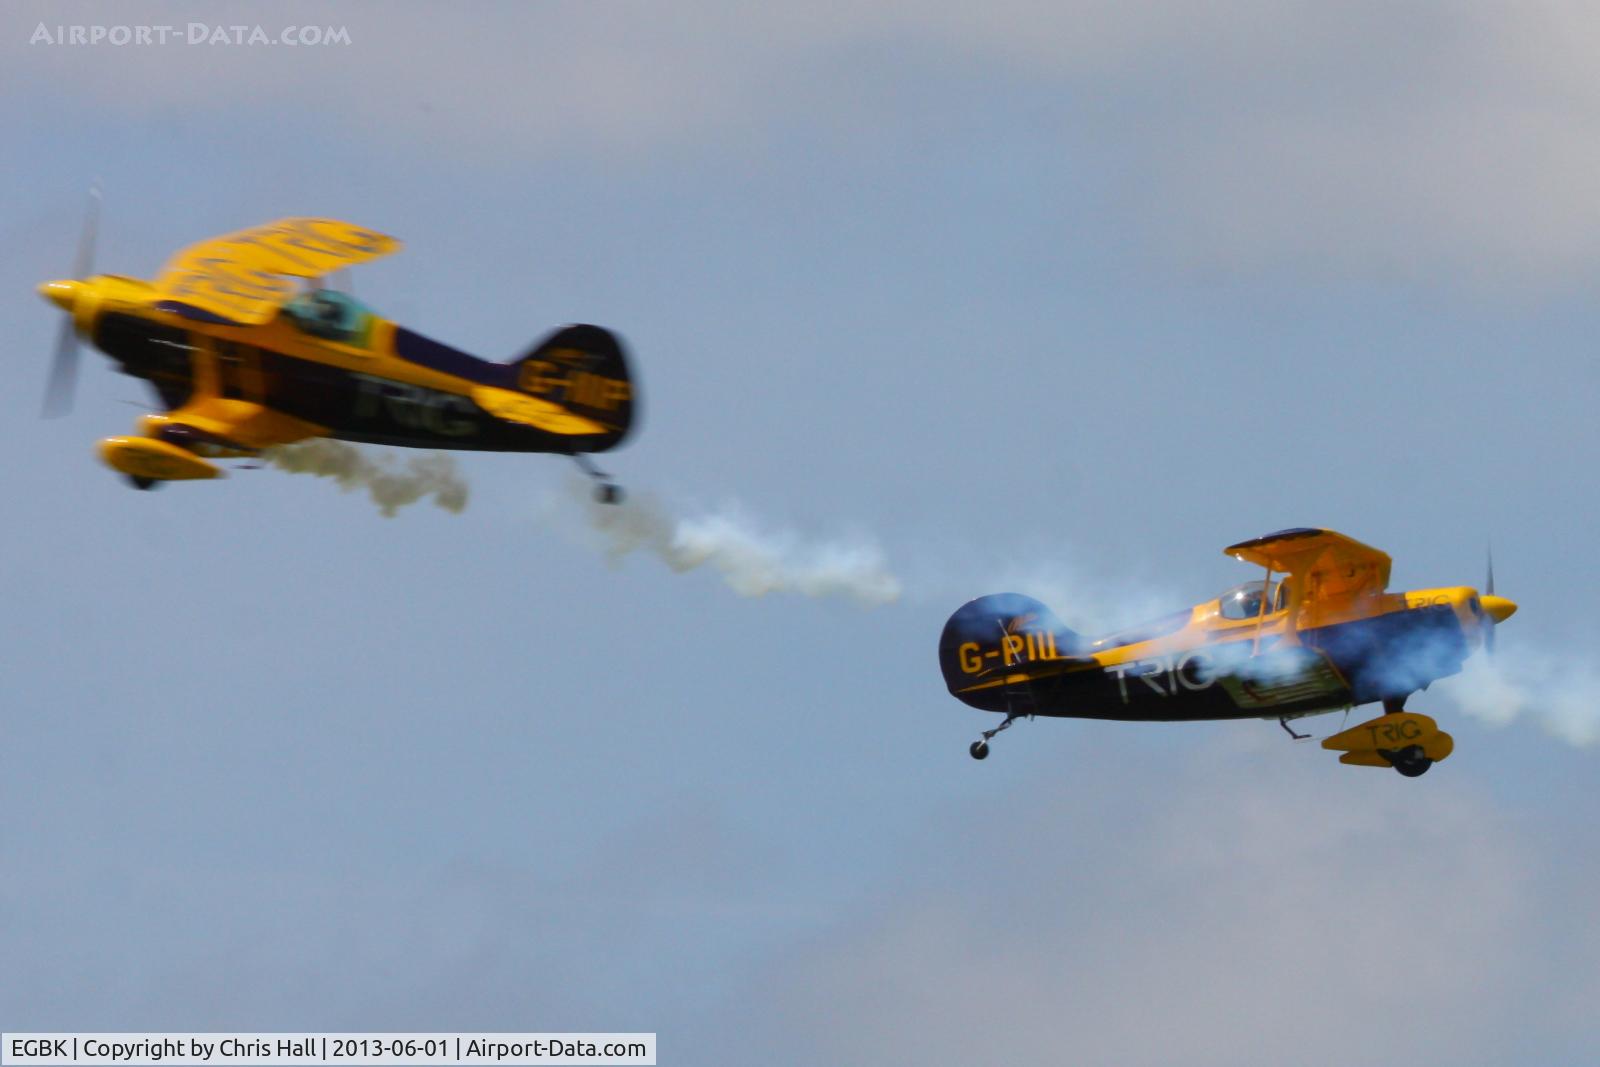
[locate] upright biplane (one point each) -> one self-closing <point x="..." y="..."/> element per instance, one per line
<point x="247" y="347"/>
<point x="1319" y="633"/>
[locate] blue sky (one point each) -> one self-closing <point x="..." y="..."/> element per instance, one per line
<point x="1061" y="298"/>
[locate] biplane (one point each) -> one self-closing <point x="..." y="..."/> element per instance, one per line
<point x="1319" y="633"/>
<point x="248" y="347"/>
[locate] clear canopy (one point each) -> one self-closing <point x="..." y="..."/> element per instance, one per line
<point x="1244" y="601"/>
<point x="329" y="314"/>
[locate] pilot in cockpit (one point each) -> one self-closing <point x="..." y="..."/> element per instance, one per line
<point x="327" y="313"/>
<point x="325" y="309"/>
<point x="1245" y="601"/>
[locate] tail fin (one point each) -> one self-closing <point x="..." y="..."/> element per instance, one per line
<point x="992" y="633"/>
<point x="584" y="369"/>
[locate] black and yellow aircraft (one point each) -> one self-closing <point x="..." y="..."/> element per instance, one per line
<point x="243" y="358"/>
<point x="1325" y="636"/>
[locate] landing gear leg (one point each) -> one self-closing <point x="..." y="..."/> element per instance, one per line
<point x="605" y="490"/>
<point x="979" y="749"/>
<point x="1290" y="730"/>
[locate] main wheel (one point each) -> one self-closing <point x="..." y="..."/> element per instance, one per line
<point x="1411" y="761"/>
<point x="608" y="493"/>
<point x="979" y="750"/>
<point x="140" y="482"/>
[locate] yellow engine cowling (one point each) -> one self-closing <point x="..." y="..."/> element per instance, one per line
<point x="1364" y="744"/>
<point x="162" y="461"/>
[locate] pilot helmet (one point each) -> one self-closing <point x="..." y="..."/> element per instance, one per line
<point x="1245" y="602"/>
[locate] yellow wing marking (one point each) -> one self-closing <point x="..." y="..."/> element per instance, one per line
<point x="244" y="276"/>
<point x="1328" y="565"/>
<point x="531" y="411"/>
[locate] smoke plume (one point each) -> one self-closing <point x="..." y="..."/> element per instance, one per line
<point x="751" y="559"/>
<point x="390" y="483"/>
<point x="1564" y="698"/>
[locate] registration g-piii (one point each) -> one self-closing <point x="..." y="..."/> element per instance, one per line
<point x="1320" y="633"/>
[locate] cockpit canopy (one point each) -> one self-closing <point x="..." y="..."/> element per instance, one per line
<point x="1244" y="601"/>
<point x="331" y="315"/>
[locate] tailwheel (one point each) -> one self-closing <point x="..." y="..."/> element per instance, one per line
<point x="979" y="749"/>
<point x="606" y="492"/>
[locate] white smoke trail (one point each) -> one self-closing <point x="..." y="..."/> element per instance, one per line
<point x="391" y="484"/>
<point x="752" y="560"/>
<point x="1091" y="603"/>
<point x="1564" y="697"/>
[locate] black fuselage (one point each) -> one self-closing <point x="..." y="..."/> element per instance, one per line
<point x="352" y="405"/>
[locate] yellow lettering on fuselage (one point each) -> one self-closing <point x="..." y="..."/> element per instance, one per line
<point x="1014" y="649"/>
<point x="597" y="392"/>
<point x="414" y="407"/>
<point x="536" y="377"/>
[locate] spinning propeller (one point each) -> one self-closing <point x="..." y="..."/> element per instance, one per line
<point x="1498" y="608"/>
<point x="65" y="295"/>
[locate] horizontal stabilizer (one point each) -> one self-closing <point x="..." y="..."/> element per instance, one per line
<point x="531" y="411"/>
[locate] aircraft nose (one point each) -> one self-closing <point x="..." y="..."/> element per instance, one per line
<point x="62" y="294"/>
<point x="1498" y="608"/>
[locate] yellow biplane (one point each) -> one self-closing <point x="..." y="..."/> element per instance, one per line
<point x="248" y="348"/>
<point x="1319" y="633"/>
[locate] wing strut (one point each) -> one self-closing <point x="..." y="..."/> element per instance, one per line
<point x="1261" y="616"/>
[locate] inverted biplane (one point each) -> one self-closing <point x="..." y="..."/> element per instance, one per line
<point x="248" y="348"/>
<point x="1319" y="633"/>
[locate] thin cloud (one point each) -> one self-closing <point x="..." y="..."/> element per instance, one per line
<point x="1408" y="139"/>
<point x="1260" y="908"/>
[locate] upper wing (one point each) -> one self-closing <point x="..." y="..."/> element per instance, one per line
<point x="243" y="277"/>
<point x="1330" y="564"/>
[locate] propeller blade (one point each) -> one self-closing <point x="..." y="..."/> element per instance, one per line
<point x="63" y="381"/>
<point x="1496" y="609"/>
<point x="63" y="371"/>
<point x="1488" y="588"/>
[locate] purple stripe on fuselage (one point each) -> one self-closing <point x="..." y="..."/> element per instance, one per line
<point x="426" y="352"/>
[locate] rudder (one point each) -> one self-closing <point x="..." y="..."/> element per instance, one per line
<point x="994" y="632"/>
<point x="584" y="369"/>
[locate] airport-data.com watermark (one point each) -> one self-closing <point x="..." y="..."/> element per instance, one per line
<point x="192" y="33"/>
